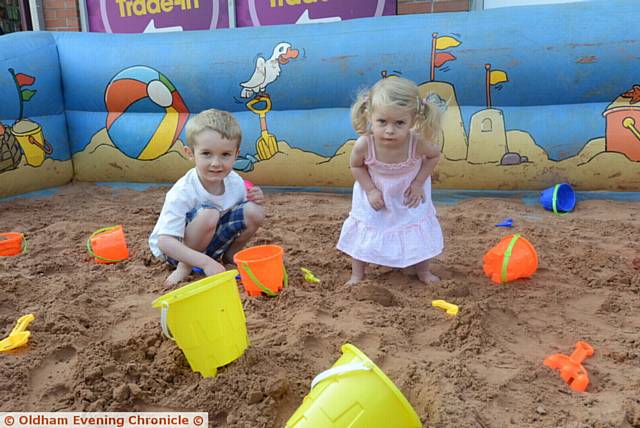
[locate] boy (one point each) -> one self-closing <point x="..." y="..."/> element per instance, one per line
<point x="207" y="215"/>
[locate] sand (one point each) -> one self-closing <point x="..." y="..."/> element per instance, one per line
<point x="97" y="345"/>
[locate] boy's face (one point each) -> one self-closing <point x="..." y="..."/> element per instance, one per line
<point x="213" y="155"/>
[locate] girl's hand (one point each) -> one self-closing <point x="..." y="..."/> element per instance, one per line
<point x="414" y="195"/>
<point x="255" y="195"/>
<point x="375" y="199"/>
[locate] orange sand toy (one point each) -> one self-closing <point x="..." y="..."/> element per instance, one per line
<point x="12" y="244"/>
<point x="261" y="269"/>
<point x="571" y="370"/>
<point x="108" y="245"/>
<point x="514" y="257"/>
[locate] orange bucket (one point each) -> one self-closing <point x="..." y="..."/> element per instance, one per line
<point x="261" y="269"/>
<point x="108" y="245"/>
<point x="12" y="244"/>
<point x="514" y="257"/>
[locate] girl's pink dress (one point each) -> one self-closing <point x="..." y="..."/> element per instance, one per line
<point x="395" y="236"/>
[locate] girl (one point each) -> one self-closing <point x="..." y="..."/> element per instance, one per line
<point x="392" y="220"/>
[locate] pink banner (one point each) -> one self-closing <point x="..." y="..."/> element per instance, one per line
<point x="270" y="12"/>
<point x="147" y="16"/>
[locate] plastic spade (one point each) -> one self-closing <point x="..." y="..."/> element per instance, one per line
<point x="571" y="370"/>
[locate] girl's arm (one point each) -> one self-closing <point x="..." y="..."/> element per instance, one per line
<point x="430" y="154"/>
<point x="361" y="174"/>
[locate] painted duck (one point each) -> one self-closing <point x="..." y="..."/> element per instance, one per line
<point x="267" y="71"/>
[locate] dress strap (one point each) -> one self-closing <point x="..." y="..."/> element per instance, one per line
<point x="412" y="146"/>
<point x="371" y="151"/>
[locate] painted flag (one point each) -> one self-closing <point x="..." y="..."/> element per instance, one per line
<point x="441" y="57"/>
<point x="25" y="79"/>
<point x="445" y="42"/>
<point x="498" y="76"/>
<point x="27" y="94"/>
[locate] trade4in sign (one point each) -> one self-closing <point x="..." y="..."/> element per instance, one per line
<point x="147" y="16"/>
<point x="270" y="12"/>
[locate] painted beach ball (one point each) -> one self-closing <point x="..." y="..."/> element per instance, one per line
<point x="145" y="112"/>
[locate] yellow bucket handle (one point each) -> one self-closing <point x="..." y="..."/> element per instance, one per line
<point x="163" y="320"/>
<point x="340" y="370"/>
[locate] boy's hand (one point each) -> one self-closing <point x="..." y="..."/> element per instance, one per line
<point x="212" y="268"/>
<point x="255" y="195"/>
<point x="414" y="195"/>
<point x="375" y="199"/>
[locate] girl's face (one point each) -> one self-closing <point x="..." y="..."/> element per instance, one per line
<point x="391" y="125"/>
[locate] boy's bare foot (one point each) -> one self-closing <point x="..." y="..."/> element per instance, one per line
<point x="181" y="272"/>
<point x="427" y="277"/>
<point x="355" y="279"/>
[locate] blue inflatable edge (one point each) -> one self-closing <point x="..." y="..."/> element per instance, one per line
<point x="38" y="194"/>
<point x="439" y="196"/>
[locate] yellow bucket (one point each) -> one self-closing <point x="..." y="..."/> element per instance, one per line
<point x="354" y="393"/>
<point x="207" y="321"/>
<point x="30" y="137"/>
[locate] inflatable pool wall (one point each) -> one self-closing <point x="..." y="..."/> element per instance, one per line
<point x="531" y="102"/>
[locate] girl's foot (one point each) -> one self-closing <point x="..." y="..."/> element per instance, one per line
<point x="181" y="272"/>
<point x="409" y="271"/>
<point x="427" y="277"/>
<point x="355" y="279"/>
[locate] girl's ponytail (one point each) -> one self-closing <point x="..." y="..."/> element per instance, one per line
<point x="429" y="112"/>
<point x="360" y="113"/>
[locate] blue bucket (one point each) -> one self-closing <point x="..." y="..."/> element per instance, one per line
<point x="559" y="198"/>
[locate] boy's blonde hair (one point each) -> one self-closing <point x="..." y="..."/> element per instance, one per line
<point x="217" y="120"/>
<point x="397" y="92"/>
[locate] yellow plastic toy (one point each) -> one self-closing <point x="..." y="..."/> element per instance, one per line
<point x="267" y="144"/>
<point x="18" y="336"/>
<point x="354" y="393"/>
<point x="207" y="321"/>
<point x="443" y="304"/>
<point x="309" y="276"/>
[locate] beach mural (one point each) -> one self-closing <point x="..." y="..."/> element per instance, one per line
<point x="25" y="137"/>
<point x="33" y="141"/>
<point x="525" y="106"/>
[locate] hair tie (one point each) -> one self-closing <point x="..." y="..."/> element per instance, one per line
<point x="435" y="100"/>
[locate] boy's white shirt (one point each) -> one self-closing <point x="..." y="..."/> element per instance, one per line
<point x="187" y="194"/>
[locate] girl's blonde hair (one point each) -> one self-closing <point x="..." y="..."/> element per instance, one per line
<point x="401" y="93"/>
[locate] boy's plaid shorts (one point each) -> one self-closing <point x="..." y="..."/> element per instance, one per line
<point x="230" y="225"/>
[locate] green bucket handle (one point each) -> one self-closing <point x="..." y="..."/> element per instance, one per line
<point x="25" y="244"/>
<point x="554" y="201"/>
<point x="260" y="285"/>
<point x="340" y="370"/>
<point x="163" y="320"/>
<point x="507" y="255"/>
<point x="90" y="249"/>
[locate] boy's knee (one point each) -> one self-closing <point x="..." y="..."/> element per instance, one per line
<point x="253" y="214"/>
<point x="208" y="218"/>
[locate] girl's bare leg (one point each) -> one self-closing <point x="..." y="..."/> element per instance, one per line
<point x="357" y="272"/>
<point x="424" y="274"/>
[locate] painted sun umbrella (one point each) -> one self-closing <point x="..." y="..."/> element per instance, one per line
<point x="130" y="97"/>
